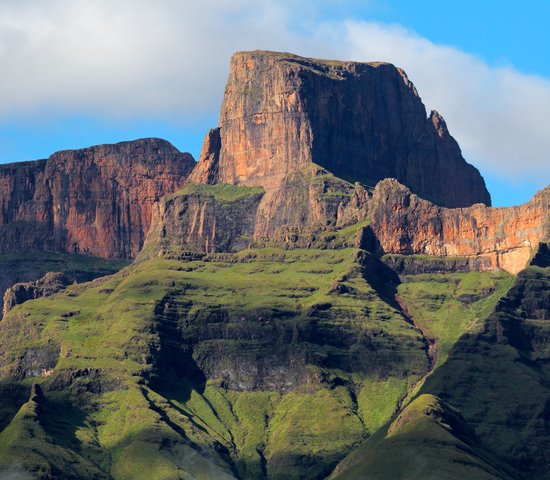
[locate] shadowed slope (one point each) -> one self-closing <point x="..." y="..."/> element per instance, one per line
<point x="428" y="440"/>
<point x="500" y="377"/>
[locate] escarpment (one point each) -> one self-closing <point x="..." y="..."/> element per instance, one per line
<point x="492" y="238"/>
<point x="96" y="201"/>
<point x="361" y="121"/>
<point x="318" y="207"/>
<point x="318" y="135"/>
<point x="292" y="314"/>
<point x="204" y="218"/>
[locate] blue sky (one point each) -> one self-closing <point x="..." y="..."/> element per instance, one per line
<point x="78" y="73"/>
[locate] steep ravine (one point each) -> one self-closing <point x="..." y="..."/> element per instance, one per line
<point x="430" y="344"/>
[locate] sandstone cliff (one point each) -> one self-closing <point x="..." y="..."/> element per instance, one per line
<point x="321" y="210"/>
<point x="361" y="121"/>
<point x="492" y="238"/>
<point x="287" y="121"/>
<point x="203" y="218"/>
<point x="307" y="210"/>
<point x="96" y="201"/>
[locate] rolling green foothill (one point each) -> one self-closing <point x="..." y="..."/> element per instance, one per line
<point x="221" y="357"/>
<point x="265" y="363"/>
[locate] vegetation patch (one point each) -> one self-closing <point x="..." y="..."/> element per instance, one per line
<point x="222" y="192"/>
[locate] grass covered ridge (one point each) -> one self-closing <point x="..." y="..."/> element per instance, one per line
<point x="328" y="337"/>
<point x="266" y="363"/>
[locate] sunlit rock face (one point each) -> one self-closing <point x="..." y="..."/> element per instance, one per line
<point x="96" y="200"/>
<point x="361" y="121"/>
<point x="493" y="238"/>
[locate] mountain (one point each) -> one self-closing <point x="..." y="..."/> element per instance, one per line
<point x="95" y="201"/>
<point x="393" y="220"/>
<point x="490" y="238"/>
<point x="290" y="312"/>
<point x="360" y="121"/>
<point x="431" y="440"/>
<point x="497" y="377"/>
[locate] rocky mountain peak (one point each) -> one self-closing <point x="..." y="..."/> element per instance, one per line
<point x="361" y="121"/>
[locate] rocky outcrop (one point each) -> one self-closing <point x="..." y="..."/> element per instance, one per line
<point x="305" y="212"/>
<point x="492" y="238"/>
<point x="96" y="201"/>
<point x="361" y="121"/>
<point x="319" y="207"/>
<point x="203" y="218"/>
<point x="49" y="284"/>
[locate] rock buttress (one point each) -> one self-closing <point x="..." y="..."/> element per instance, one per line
<point x="492" y="238"/>
<point x="96" y="200"/>
<point x="361" y="121"/>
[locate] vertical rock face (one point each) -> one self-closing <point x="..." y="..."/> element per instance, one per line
<point x="96" y="201"/>
<point x="478" y="237"/>
<point x="25" y="207"/>
<point x="494" y="238"/>
<point x="306" y="130"/>
<point x="204" y="218"/>
<point x="361" y="121"/>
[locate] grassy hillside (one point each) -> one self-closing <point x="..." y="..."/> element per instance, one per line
<point x="266" y="363"/>
<point x="496" y="378"/>
<point x="275" y="362"/>
<point x="191" y="349"/>
<point x="500" y="377"/>
<point x="428" y="440"/>
<point x="445" y="306"/>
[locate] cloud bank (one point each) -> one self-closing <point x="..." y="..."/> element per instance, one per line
<point x="169" y="59"/>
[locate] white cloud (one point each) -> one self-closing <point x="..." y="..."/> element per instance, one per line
<point x="169" y="58"/>
<point x="498" y="115"/>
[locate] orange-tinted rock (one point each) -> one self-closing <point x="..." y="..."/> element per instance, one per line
<point x="493" y="238"/>
<point x="361" y="121"/>
<point x="285" y="119"/>
<point x="96" y="201"/>
<point x="200" y="219"/>
<point x="308" y="202"/>
<point x="316" y="204"/>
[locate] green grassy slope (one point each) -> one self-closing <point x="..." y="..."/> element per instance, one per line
<point x="28" y="452"/>
<point x="445" y="306"/>
<point x="500" y="377"/>
<point x="429" y="440"/>
<point x="266" y="362"/>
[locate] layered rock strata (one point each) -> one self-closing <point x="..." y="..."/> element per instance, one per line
<point x="491" y="238"/>
<point x="361" y="121"/>
<point x="203" y="218"/>
<point x="287" y="121"/>
<point x="389" y="220"/>
<point x="96" y="201"/>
